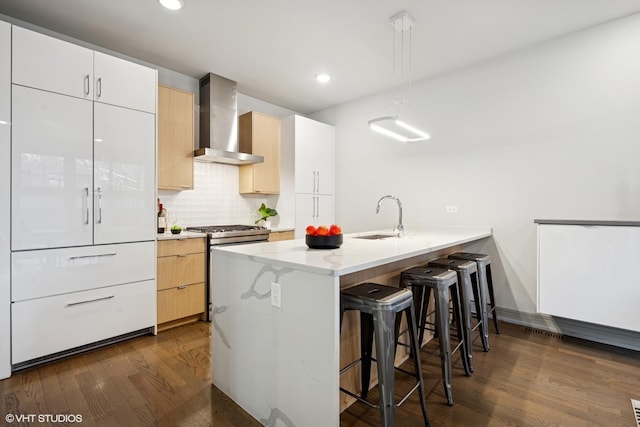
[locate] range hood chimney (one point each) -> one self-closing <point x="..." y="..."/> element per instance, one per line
<point x="219" y="123"/>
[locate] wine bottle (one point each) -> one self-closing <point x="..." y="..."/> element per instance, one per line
<point x="162" y="219"/>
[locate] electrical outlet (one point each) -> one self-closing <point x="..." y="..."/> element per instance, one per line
<point x="276" y="295"/>
<point x="452" y="209"/>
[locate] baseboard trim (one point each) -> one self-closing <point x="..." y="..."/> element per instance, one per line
<point x="573" y="328"/>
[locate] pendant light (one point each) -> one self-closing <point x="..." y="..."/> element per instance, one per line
<point x="390" y="124"/>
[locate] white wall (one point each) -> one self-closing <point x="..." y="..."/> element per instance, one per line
<point x="552" y="131"/>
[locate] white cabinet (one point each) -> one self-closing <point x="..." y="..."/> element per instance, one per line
<point x="308" y="153"/>
<point x="314" y="156"/>
<point x="38" y="274"/>
<point x="124" y="175"/>
<point x="83" y="196"/>
<point x="54" y="65"/>
<point x="589" y="273"/>
<point x="5" y="198"/>
<point x="314" y="209"/>
<point x="120" y="82"/>
<point x="50" y="325"/>
<point x="50" y="64"/>
<point x="52" y="170"/>
<point x="83" y="172"/>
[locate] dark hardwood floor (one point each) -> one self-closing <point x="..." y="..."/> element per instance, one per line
<point x="527" y="379"/>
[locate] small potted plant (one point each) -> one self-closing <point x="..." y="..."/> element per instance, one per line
<point x="266" y="213"/>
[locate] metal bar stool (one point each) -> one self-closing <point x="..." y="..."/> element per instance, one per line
<point x="470" y="291"/>
<point x="379" y="307"/>
<point x="483" y="262"/>
<point x="444" y="283"/>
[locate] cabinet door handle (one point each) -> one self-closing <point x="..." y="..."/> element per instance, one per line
<point x="94" y="256"/>
<point x="71" y="304"/>
<point x="86" y="201"/>
<point x="99" y="205"/>
<point x="313" y="212"/>
<point x="181" y="255"/>
<point x="87" y="81"/>
<point x="182" y="287"/>
<point x="99" y="87"/>
<point x="318" y="188"/>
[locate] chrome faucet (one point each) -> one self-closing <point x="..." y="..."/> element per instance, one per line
<point x="398" y="228"/>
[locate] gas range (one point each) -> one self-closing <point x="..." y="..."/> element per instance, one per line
<point x="218" y="235"/>
<point x="232" y="234"/>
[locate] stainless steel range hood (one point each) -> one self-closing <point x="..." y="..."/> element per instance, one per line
<point x="219" y="123"/>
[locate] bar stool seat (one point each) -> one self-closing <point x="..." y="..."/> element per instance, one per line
<point x="470" y="291"/>
<point x="444" y="283"/>
<point x="379" y="307"/>
<point x="483" y="262"/>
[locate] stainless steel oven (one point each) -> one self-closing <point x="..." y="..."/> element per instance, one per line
<point x="219" y="235"/>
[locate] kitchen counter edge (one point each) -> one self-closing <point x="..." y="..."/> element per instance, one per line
<point x="181" y="236"/>
<point x="588" y="222"/>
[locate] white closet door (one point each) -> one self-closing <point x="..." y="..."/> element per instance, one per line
<point x="52" y="170"/>
<point x="47" y="63"/>
<point x="124" y="181"/>
<point x="124" y="83"/>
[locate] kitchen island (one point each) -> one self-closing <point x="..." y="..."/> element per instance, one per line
<point x="276" y="341"/>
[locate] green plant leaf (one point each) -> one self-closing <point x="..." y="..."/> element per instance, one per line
<point x="266" y="212"/>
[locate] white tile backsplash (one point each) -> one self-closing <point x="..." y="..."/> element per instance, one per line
<point x="215" y="199"/>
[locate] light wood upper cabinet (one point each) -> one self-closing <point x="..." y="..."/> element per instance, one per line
<point x="259" y="134"/>
<point x="175" y="139"/>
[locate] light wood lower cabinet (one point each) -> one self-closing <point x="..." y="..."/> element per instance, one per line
<point x="275" y="236"/>
<point x="181" y="281"/>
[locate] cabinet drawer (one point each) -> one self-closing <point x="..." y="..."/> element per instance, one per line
<point x="180" y="302"/>
<point x="49" y="272"/>
<point x="45" y="326"/>
<point x="181" y="247"/>
<point x="181" y="270"/>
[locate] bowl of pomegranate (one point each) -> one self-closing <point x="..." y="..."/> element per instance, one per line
<point x="323" y="237"/>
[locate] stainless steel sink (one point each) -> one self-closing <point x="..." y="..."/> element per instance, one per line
<point x="375" y="236"/>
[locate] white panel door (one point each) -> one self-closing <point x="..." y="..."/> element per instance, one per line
<point x="124" y="83"/>
<point x="312" y="209"/>
<point x="124" y="182"/>
<point x="5" y="198"/>
<point x="314" y="156"/>
<point x="47" y="63"/>
<point x="52" y="170"/>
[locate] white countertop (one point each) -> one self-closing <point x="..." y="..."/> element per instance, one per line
<point x="357" y="254"/>
<point x="183" y="235"/>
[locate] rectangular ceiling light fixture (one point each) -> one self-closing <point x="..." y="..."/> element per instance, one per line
<point x="394" y="128"/>
<point x="391" y="125"/>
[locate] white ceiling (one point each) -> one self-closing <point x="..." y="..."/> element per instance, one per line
<point x="274" y="49"/>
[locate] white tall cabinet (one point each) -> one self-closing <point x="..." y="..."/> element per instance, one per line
<point x="313" y="146"/>
<point x="5" y="199"/>
<point x="83" y="196"/>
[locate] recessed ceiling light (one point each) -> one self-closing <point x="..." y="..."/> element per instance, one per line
<point x="323" y="78"/>
<point x="172" y="4"/>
